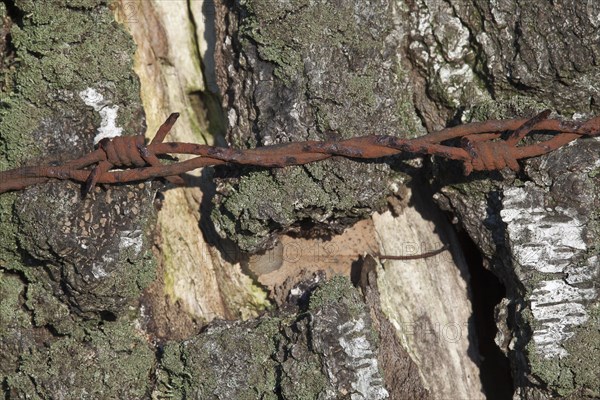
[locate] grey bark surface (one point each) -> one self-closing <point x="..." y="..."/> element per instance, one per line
<point x="294" y="72"/>
<point x="475" y="61"/>
<point x="326" y="351"/>
<point x="72" y="271"/>
<point x="538" y="230"/>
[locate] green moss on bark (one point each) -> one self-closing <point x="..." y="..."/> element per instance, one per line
<point x="110" y="360"/>
<point x="15" y="324"/>
<point x="582" y="362"/>
<point x="576" y="375"/>
<point x="63" y="47"/>
<point x="289" y="355"/>
<point x="338" y="289"/>
<point x="504" y="107"/>
<point x="266" y="201"/>
<point x="239" y="353"/>
<point x="310" y="70"/>
<point x="64" y="301"/>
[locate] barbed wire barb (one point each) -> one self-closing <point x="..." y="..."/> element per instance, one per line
<point x="481" y="148"/>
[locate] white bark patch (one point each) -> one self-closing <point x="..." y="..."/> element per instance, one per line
<point x="98" y="271"/>
<point x="132" y="239"/>
<point x="98" y="268"/>
<point x="108" y="114"/>
<point x="368" y="383"/>
<point x="444" y="45"/>
<point x="548" y="240"/>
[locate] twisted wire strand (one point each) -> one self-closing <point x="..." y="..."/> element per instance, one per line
<point x="481" y="148"/>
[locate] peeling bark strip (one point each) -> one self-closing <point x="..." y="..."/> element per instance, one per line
<point x="548" y="242"/>
<point x="328" y="351"/>
<point x="479" y="151"/>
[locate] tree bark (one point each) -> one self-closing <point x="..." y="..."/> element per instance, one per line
<point x="538" y="230"/>
<point x="231" y="287"/>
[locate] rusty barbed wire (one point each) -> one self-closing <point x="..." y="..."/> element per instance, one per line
<point x="482" y="147"/>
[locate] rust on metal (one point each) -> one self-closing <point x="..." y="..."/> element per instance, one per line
<point x="414" y="256"/>
<point x="483" y="146"/>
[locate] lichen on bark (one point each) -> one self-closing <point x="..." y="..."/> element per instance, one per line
<point x="308" y="71"/>
<point x="71" y="268"/>
<point x="291" y="354"/>
<point x="539" y="237"/>
<point x="539" y="225"/>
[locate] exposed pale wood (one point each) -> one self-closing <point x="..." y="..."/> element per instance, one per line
<point x="170" y="41"/>
<point x="427" y="302"/>
<point x="167" y="62"/>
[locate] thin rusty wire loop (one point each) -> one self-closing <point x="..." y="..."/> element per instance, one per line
<point x="428" y="254"/>
<point x="481" y="148"/>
